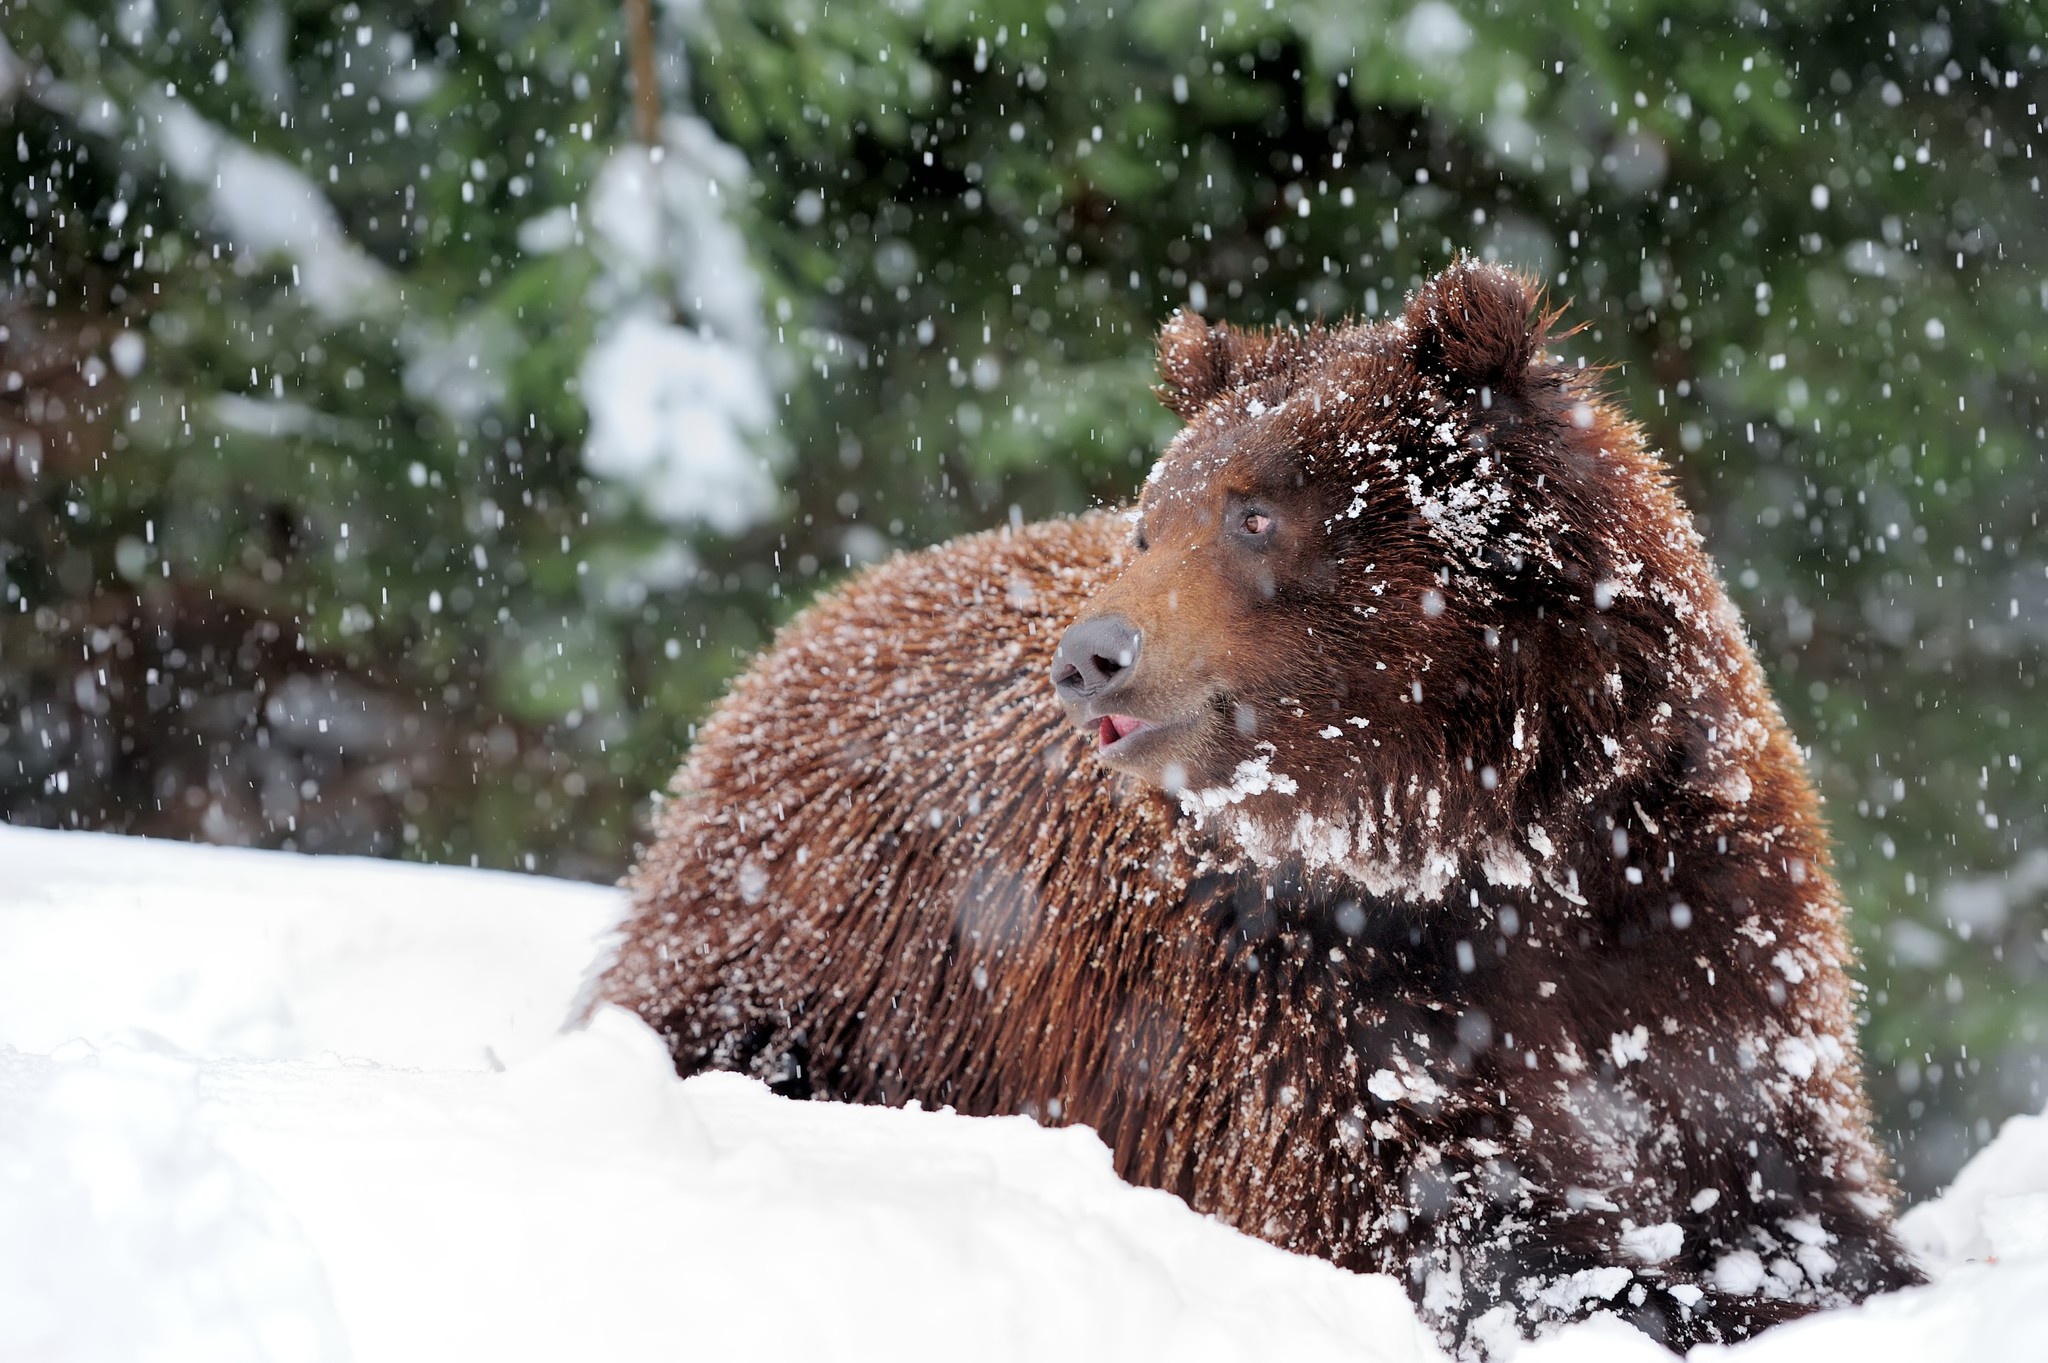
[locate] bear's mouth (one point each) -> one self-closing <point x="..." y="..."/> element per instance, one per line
<point x="1111" y="730"/>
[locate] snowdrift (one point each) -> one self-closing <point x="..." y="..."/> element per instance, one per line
<point x="262" y="1106"/>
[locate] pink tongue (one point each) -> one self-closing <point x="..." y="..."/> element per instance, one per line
<point x="1117" y="727"/>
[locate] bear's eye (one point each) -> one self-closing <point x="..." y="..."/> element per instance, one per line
<point x="1143" y="543"/>
<point x="1255" y="523"/>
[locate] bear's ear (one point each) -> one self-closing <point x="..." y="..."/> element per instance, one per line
<point x="1477" y="324"/>
<point x="1198" y="360"/>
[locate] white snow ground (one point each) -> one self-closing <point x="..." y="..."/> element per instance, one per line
<point x="261" y="1106"/>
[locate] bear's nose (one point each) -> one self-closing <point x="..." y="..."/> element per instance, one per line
<point x="1094" y="658"/>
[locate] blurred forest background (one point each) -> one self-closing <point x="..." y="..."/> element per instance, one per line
<point x="410" y="414"/>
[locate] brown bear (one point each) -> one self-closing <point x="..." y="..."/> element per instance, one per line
<point x="1406" y="864"/>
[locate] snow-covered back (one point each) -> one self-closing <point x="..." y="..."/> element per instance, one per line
<point x="262" y="1106"/>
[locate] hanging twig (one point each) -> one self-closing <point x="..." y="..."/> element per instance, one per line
<point x="640" y="51"/>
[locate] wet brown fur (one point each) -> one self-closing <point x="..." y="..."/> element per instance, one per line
<point x="892" y="868"/>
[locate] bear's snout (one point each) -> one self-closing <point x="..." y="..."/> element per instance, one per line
<point x="1096" y="657"/>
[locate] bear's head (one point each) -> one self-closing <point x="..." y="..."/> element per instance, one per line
<point x="1391" y="584"/>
